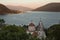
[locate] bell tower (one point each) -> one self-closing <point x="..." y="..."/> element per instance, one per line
<point x="40" y="30"/>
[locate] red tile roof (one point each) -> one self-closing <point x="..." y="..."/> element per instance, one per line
<point x="31" y="24"/>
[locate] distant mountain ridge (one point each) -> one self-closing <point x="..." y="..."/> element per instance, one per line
<point x="5" y="10"/>
<point x="52" y="7"/>
<point x="21" y="8"/>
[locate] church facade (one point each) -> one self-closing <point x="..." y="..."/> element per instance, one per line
<point x="36" y="31"/>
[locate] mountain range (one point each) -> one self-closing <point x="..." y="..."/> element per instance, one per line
<point x="21" y="8"/>
<point x="52" y="7"/>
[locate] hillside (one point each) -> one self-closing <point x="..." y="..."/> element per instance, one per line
<point x="5" y="10"/>
<point x="21" y="8"/>
<point x="52" y="7"/>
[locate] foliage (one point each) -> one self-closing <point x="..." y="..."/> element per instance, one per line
<point x="12" y="32"/>
<point x="25" y="26"/>
<point x="34" y="38"/>
<point x="2" y="21"/>
<point x="54" y="32"/>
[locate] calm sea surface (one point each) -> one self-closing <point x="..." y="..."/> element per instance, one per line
<point x="48" y="18"/>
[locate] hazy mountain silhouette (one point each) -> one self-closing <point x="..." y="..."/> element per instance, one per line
<point x="5" y="10"/>
<point x="52" y="7"/>
<point x="21" y="8"/>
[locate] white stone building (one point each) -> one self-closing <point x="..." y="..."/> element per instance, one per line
<point x="37" y="31"/>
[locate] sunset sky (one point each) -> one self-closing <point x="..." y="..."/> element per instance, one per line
<point x="27" y="3"/>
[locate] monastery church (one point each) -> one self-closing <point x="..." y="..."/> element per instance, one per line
<point x="36" y="31"/>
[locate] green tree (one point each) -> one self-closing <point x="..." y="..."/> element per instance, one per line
<point x="2" y="21"/>
<point x="13" y="32"/>
<point x="25" y="26"/>
<point x="54" y="32"/>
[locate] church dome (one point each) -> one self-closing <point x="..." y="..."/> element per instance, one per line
<point x="31" y="24"/>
